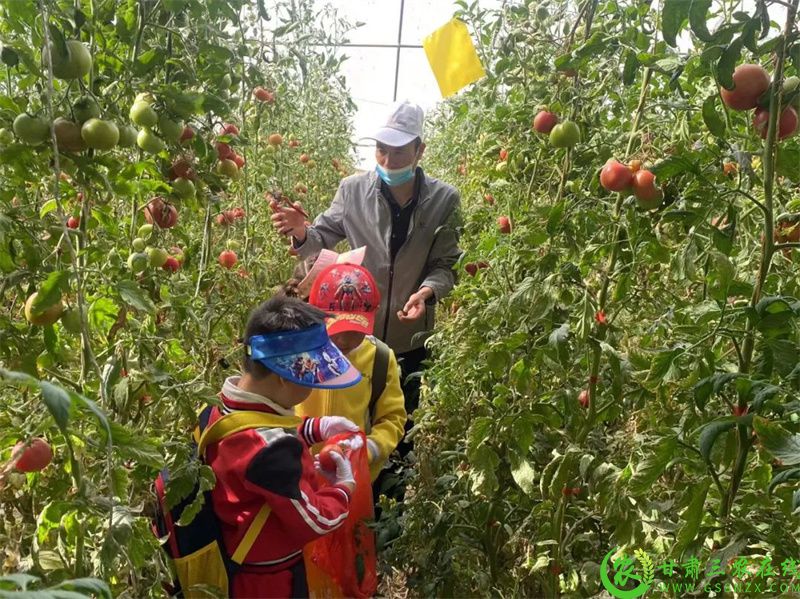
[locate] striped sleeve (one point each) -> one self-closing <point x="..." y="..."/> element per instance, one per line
<point x="309" y="431"/>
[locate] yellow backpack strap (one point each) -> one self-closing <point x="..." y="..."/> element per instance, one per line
<point x="252" y="534"/>
<point x="240" y="421"/>
<point x="234" y="423"/>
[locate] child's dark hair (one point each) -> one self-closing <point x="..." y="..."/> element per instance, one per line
<point x="280" y="313"/>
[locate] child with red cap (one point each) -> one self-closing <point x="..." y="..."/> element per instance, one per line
<point x="350" y="296"/>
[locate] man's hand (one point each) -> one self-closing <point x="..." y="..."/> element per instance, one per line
<point x="415" y="306"/>
<point x="289" y="221"/>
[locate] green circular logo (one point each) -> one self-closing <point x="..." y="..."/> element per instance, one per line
<point x="623" y="568"/>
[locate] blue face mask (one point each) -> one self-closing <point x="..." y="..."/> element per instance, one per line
<point x="395" y="176"/>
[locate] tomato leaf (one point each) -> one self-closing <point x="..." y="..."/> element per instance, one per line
<point x="47" y="208"/>
<point x="483" y="474"/>
<point x="711" y="117"/>
<point x="674" y="165"/>
<point x="698" y="21"/>
<point x="630" y="69"/>
<point x="132" y="295"/>
<point x="782" y="444"/>
<point x="49" y="292"/>
<point x="21" y="581"/>
<point x="9" y="56"/>
<point x="523" y="474"/>
<point x="723" y="70"/>
<point x="692" y="517"/>
<point x="673" y="17"/>
<point x="784" y="477"/>
<point x="58" y="403"/>
<point x="91" y="586"/>
<point x="786" y="164"/>
<point x="58" y="42"/>
<point x="711" y="432"/>
<point x="751" y="31"/>
<point x="564" y="473"/>
<point x="653" y="466"/>
<point x="662" y="365"/>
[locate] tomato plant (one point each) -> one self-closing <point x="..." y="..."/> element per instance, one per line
<point x="115" y="317"/>
<point x="641" y="346"/>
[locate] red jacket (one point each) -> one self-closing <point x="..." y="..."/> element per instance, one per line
<point x="272" y="465"/>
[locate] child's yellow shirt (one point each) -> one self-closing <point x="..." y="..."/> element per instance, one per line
<point x="353" y="403"/>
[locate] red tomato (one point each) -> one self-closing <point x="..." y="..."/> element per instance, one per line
<point x="644" y="185"/>
<point x="159" y="212"/>
<point x="230" y="129"/>
<point x="224" y="151"/>
<point x="615" y="176"/>
<point x="34" y="457"/>
<point x="544" y="122"/>
<point x="325" y="459"/>
<point x="787" y="124"/>
<point x="749" y="82"/>
<point x="228" y="259"/>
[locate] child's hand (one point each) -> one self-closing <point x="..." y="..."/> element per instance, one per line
<point x="353" y="443"/>
<point x="343" y="475"/>
<point x="330" y="426"/>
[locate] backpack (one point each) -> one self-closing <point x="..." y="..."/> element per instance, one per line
<point x="380" y="370"/>
<point x="197" y="550"/>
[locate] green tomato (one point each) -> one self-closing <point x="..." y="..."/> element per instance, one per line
<point x="790" y="84"/>
<point x="137" y="262"/>
<point x="170" y="130"/>
<point x="143" y="115"/>
<point x="6" y="137"/>
<point x="150" y="142"/>
<point x="85" y="108"/>
<point x="565" y="135"/>
<point x="139" y="244"/>
<point x="100" y="134"/>
<point x="501" y="167"/>
<point x="75" y="64"/>
<point x="184" y="188"/>
<point x="71" y="320"/>
<point x="145" y="97"/>
<point x="145" y="231"/>
<point x="127" y="136"/>
<point x="157" y="257"/>
<point x="30" y="129"/>
<point x="228" y="168"/>
<point x="45" y="360"/>
<point x="233" y="244"/>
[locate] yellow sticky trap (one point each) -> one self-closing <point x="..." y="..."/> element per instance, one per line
<point x="452" y="57"/>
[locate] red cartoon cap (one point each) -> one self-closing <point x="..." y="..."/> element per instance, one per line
<point x="350" y="294"/>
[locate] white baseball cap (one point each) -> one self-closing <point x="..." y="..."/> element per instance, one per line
<point x="403" y="126"/>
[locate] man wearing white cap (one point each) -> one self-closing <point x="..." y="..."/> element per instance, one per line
<point x="409" y="223"/>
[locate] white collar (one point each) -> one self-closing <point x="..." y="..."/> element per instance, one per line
<point x="232" y="391"/>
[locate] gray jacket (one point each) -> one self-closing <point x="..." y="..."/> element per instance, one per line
<point x="360" y="214"/>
